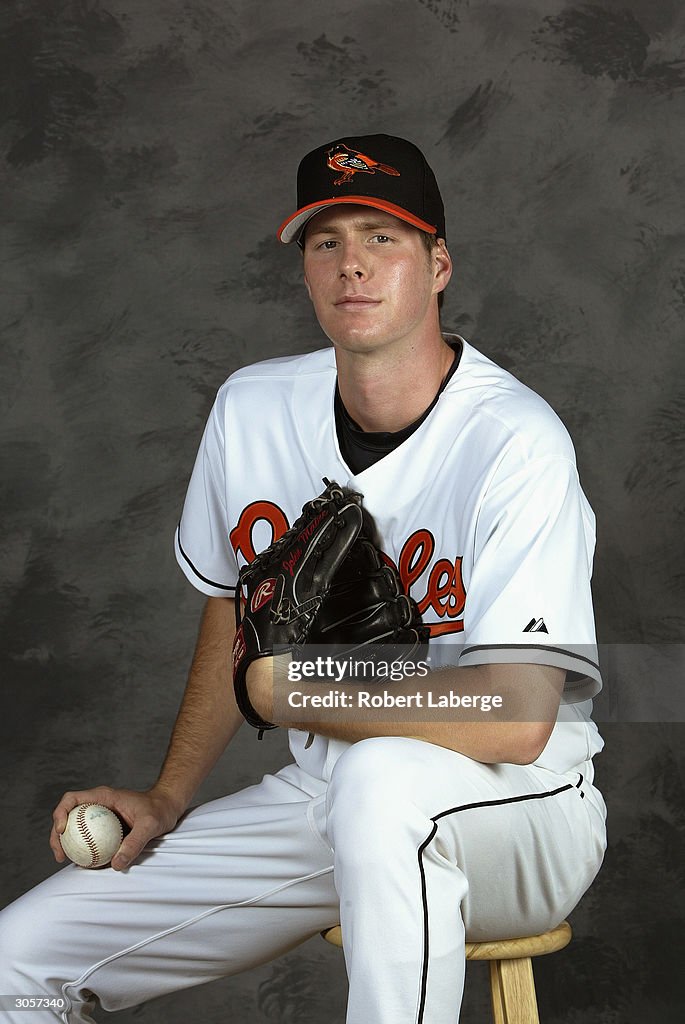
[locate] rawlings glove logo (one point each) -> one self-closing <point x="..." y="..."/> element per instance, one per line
<point x="263" y="593"/>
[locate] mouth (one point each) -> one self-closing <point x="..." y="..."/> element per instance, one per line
<point x="355" y="302"/>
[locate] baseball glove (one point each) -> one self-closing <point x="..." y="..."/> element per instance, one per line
<point x="324" y="584"/>
<point x="286" y="584"/>
<point x="366" y="611"/>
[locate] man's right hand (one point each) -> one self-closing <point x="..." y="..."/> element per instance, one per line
<point x="148" y="815"/>
<point x="206" y="722"/>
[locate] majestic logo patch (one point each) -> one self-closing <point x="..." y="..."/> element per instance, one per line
<point x="263" y="593"/>
<point x="536" y="626"/>
<point x="350" y="161"/>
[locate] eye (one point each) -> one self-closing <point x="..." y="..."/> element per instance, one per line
<point x="382" y="238"/>
<point x="328" y="243"/>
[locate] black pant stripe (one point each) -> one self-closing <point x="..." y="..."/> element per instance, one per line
<point x="422" y="874"/>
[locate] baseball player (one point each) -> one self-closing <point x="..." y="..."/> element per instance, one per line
<point x="413" y="834"/>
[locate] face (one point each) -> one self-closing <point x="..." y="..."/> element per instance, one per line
<point x="370" y="278"/>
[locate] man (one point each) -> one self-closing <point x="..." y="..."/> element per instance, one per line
<point x="411" y="832"/>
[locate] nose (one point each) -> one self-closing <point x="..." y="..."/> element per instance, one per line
<point x="353" y="264"/>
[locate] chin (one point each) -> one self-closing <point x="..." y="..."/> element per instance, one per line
<point x="356" y="343"/>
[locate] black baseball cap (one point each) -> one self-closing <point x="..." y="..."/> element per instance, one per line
<point x="382" y="171"/>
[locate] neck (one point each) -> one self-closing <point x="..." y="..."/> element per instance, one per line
<point x="387" y="392"/>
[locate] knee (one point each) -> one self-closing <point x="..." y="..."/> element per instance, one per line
<point x="372" y="790"/>
<point x="381" y="764"/>
<point x="395" y="763"/>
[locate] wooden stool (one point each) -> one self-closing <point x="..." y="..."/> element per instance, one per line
<point x="511" y="972"/>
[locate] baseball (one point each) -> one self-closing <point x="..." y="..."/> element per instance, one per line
<point x="92" y="835"/>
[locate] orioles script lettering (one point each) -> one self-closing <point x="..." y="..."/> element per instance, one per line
<point x="438" y="586"/>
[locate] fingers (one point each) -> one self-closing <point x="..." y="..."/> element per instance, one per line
<point x="134" y="843"/>
<point x="146" y="815"/>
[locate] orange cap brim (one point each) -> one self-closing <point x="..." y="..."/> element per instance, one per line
<point x="290" y="229"/>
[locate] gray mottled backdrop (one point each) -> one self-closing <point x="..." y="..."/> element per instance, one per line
<point x="147" y="154"/>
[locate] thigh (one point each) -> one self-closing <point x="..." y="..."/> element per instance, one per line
<point x="528" y="853"/>
<point x="527" y="840"/>
<point x="239" y="881"/>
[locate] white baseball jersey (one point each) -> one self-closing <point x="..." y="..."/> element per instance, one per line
<point x="480" y="509"/>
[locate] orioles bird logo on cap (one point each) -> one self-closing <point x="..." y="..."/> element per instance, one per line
<point x="350" y="162"/>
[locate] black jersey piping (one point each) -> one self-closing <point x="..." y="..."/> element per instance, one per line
<point x="205" y="579"/>
<point x="529" y="647"/>
<point x="422" y="874"/>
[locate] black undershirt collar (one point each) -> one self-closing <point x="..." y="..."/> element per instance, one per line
<point x="361" y="448"/>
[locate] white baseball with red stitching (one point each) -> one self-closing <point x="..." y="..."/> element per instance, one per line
<point x="92" y="836"/>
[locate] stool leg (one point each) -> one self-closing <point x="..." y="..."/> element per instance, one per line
<point x="513" y="992"/>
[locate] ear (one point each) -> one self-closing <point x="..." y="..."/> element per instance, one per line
<point x="442" y="262"/>
<point x="306" y="284"/>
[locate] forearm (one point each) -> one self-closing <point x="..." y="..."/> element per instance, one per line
<point x="488" y="742"/>
<point x="516" y="731"/>
<point x="208" y="717"/>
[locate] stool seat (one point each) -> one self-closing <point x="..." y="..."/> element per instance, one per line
<point x="517" y="949"/>
<point x="512" y="986"/>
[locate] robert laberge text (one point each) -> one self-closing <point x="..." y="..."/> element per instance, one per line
<point x="387" y="699"/>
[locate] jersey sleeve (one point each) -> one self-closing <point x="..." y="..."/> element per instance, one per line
<point x="202" y="545"/>
<point x="528" y="597"/>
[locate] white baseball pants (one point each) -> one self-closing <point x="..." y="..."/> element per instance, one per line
<point x="410" y="846"/>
